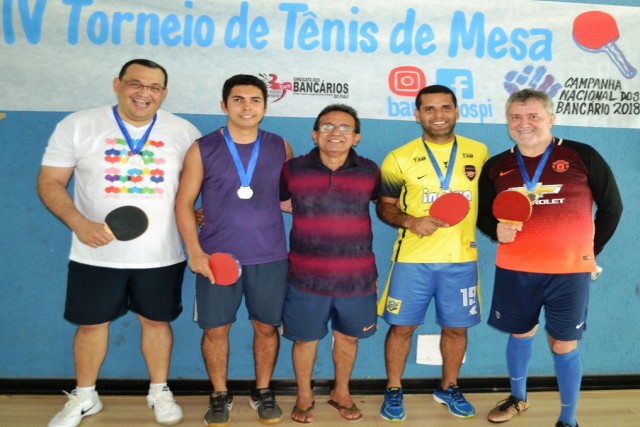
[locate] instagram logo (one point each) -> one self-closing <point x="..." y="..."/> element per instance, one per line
<point x="406" y="80"/>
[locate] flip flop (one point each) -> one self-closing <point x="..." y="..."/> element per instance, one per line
<point x="343" y="410"/>
<point x="303" y="413"/>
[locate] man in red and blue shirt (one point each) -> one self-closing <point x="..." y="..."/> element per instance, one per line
<point x="332" y="271"/>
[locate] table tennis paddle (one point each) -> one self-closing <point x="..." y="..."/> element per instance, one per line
<point x="512" y="206"/>
<point x="126" y="222"/>
<point x="597" y="31"/>
<point x="225" y="267"/>
<point x="450" y="208"/>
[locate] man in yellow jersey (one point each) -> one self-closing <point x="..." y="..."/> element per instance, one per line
<point x="431" y="260"/>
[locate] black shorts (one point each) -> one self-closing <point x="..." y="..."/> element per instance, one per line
<point x="101" y="294"/>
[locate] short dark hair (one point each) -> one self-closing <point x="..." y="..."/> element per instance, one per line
<point x="338" y="107"/>
<point x="145" y="63"/>
<point x="435" y="89"/>
<point x="243" y="80"/>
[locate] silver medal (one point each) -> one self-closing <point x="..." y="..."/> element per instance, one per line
<point x="245" y="193"/>
<point x="135" y="160"/>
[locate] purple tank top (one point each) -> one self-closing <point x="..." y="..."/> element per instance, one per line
<point x="252" y="230"/>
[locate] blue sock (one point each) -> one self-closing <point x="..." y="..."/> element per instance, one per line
<point x="519" y="351"/>
<point x="569" y="375"/>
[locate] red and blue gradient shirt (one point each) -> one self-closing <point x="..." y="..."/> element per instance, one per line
<point x="562" y="235"/>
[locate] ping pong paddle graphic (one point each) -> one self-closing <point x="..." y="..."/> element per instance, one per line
<point x="126" y="222"/>
<point x="597" y="31"/>
<point x="225" y="267"/>
<point x="450" y="208"/>
<point x="512" y="206"/>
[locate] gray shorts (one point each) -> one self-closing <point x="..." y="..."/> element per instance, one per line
<point x="264" y="287"/>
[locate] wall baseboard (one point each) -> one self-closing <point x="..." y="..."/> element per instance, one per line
<point x="321" y="386"/>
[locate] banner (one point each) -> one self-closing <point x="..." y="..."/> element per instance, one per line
<point x="62" y="55"/>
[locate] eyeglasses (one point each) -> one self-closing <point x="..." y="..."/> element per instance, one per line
<point x="136" y="85"/>
<point x="329" y="127"/>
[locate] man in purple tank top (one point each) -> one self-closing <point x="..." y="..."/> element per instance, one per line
<point x="236" y="170"/>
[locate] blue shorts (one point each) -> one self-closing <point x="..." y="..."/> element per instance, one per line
<point x="453" y="285"/>
<point x="101" y="294"/>
<point x="306" y="315"/>
<point x="518" y="298"/>
<point x="263" y="286"/>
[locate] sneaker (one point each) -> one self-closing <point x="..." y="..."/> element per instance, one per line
<point x="507" y="409"/>
<point x="455" y="401"/>
<point x="165" y="409"/>
<point x="563" y="424"/>
<point x="218" y="414"/>
<point x="264" y="402"/>
<point x="393" y="406"/>
<point x="75" y="409"/>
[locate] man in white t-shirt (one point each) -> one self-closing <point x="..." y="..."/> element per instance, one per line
<point x="127" y="154"/>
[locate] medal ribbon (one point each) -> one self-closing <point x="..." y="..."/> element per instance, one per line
<point x="245" y="176"/>
<point x="531" y="183"/>
<point x="444" y="180"/>
<point x="142" y="141"/>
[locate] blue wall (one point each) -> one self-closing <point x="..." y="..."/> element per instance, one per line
<point x="35" y="342"/>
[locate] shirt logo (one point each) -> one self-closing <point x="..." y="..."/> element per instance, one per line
<point x="470" y="171"/>
<point x="503" y="173"/>
<point x="560" y="166"/>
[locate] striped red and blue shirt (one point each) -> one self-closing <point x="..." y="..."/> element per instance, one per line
<point x="331" y="238"/>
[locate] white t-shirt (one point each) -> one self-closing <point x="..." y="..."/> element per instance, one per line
<point x="91" y="142"/>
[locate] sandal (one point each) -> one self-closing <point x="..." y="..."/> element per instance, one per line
<point x="352" y="414"/>
<point x="302" y="414"/>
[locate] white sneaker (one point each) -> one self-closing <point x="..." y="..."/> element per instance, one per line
<point x="76" y="409"/>
<point x="165" y="409"/>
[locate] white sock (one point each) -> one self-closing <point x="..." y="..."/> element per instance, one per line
<point x="86" y="392"/>
<point x="156" y="387"/>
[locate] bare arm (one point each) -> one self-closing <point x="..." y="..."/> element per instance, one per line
<point x="52" y="189"/>
<point x="288" y="150"/>
<point x="285" y="205"/>
<point x="188" y="191"/>
<point x="388" y="211"/>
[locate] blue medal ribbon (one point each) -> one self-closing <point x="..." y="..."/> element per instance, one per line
<point x="531" y="183"/>
<point x="245" y="176"/>
<point x="444" y="180"/>
<point x="142" y="141"/>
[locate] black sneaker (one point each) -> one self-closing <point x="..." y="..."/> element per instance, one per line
<point x="563" y="424"/>
<point x="264" y="402"/>
<point x="218" y="414"/>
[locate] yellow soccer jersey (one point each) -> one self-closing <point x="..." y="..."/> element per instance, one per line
<point x="408" y="175"/>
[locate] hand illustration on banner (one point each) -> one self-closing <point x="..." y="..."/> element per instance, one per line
<point x="527" y="78"/>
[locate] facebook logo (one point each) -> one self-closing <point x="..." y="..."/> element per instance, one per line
<point x="458" y="80"/>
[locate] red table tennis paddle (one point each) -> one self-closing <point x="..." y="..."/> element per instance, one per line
<point x="450" y="208"/>
<point x="225" y="267"/>
<point x="126" y="222"/>
<point x="597" y="31"/>
<point x="512" y="206"/>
